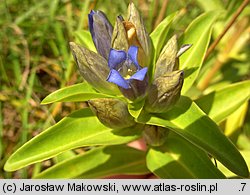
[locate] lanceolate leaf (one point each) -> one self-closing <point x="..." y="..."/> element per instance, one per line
<point x="218" y="105"/>
<point x="180" y="159"/>
<point x="187" y="120"/>
<point x="160" y="33"/>
<point x="64" y="156"/>
<point x="210" y="5"/>
<point x="84" y="38"/>
<point x="235" y="122"/>
<point x="100" y="162"/>
<point x="198" y="34"/>
<point x="75" y="93"/>
<point x="229" y="174"/>
<point x="80" y="128"/>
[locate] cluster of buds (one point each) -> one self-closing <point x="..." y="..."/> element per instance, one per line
<point x="121" y="67"/>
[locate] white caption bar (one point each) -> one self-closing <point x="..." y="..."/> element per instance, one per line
<point x="125" y="186"/>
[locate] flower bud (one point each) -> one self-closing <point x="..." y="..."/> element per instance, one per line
<point x="93" y="68"/>
<point x="164" y="92"/>
<point x="119" y="38"/>
<point x="167" y="59"/>
<point x="155" y="135"/>
<point x="142" y="35"/>
<point x="101" y="32"/>
<point x="111" y="112"/>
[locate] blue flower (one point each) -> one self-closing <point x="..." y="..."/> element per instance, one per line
<point x="121" y="49"/>
<point x="126" y="72"/>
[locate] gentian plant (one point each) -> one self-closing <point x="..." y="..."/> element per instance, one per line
<point x="138" y="86"/>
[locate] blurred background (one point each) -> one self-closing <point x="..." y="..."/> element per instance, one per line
<point x="35" y="59"/>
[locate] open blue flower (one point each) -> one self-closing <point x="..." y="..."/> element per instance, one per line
<point x="124" y="67"/>
<point x="126" y="72"/>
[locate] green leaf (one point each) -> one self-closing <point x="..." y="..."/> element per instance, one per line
<point x="219" y="104"/>
<point x="84" y="38"/>
<point x="198" y="33"/>
<point x="74" y="93"/>
<point x="135" y="108"/>
<point x="100" y="162"/>
<point x="210" y="5"/>
<point x="235" y="122"/>
<point x="188" y="120"/>
<point x="80" y="128"/>
<point x="229" y="174"/>
<point x="64" y="156"/>
<point x="159" y="35"/>
<point x="243" y="142"/>
<point x="180" y="159"/>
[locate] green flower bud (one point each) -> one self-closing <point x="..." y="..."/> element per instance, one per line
<point x="132" y="32"/>
<point x="101" y="32"/>
<point x="119" y="37"/>
<point x="164" y="92"/>
<point x="142" y="35"/>
<point x="167" y="59"/>
<point x="111" y="112"/>
<point x="155" y="135"/>
<point x="93" y="68"/>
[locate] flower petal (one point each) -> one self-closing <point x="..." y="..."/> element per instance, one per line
<point x="132" y="54"/>
<point x="139" y="75"/>
<point x="91" y="22"/>
<point x="116" y="78"/>
<point x="116" y="57"/>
